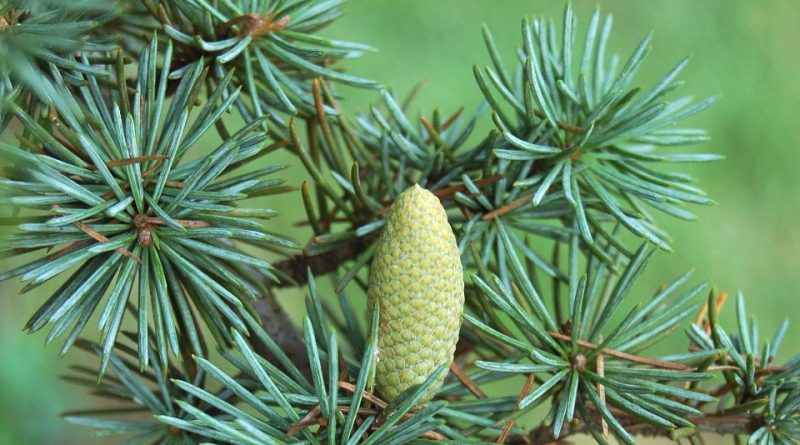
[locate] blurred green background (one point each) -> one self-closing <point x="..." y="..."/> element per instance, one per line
<point x="744" y="51"/>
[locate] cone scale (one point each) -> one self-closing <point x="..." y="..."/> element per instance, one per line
<point x="418" y="279"/>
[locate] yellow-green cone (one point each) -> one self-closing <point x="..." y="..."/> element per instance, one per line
<point x="418" y="280"/>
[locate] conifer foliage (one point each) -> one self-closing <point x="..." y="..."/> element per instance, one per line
<point x="137" y="161"/>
